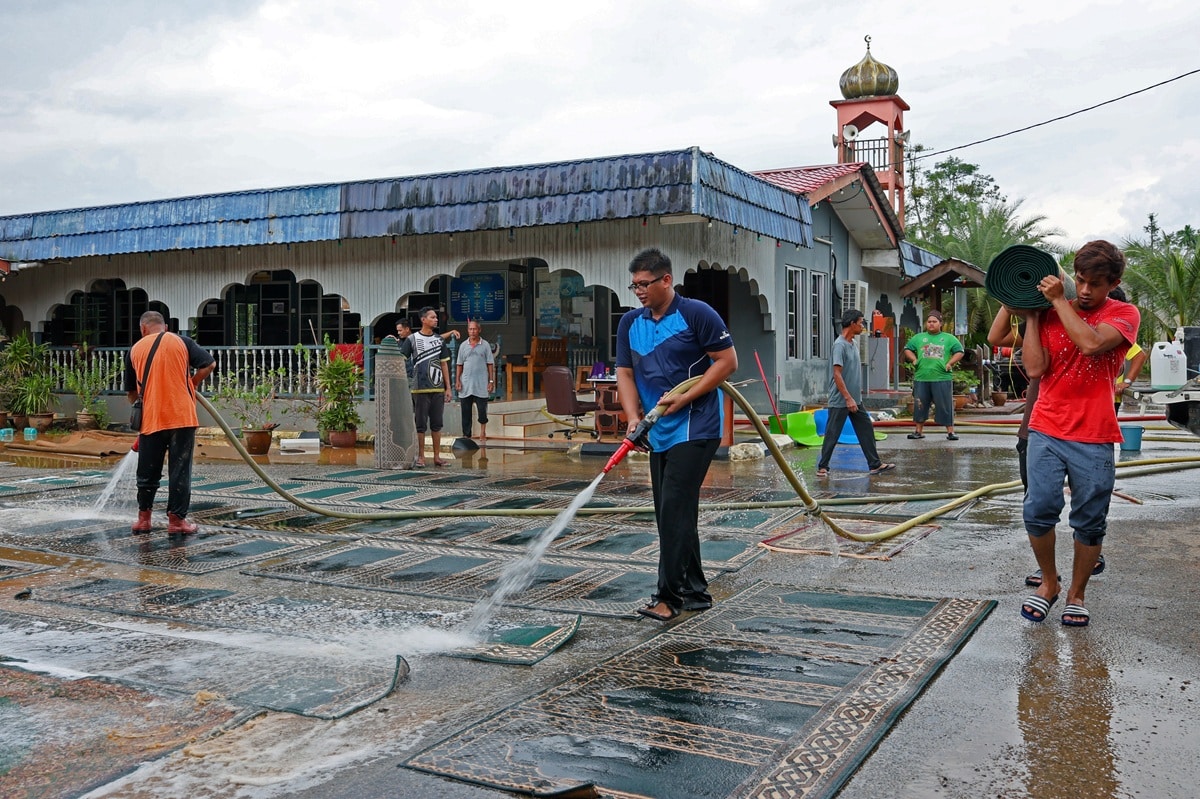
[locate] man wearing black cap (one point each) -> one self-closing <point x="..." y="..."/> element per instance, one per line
<point x="845" y="398"/>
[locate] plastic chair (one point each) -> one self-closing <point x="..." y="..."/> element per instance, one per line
<point x="802" y="428"/>
<point x="821" y="418"/>
<point x="561" y="400"/>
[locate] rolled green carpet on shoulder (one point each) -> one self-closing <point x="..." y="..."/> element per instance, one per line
<point x="1014" y="274"/>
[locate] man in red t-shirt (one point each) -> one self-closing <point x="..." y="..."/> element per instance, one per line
<point x="1077" y="349"/>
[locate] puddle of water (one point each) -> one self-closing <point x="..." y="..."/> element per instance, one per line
<point x="517" y="576"/>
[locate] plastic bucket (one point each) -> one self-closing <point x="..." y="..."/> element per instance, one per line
<point x="1132" y="435"/>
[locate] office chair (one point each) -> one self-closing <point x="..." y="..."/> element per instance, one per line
<point x="559" y="384"/>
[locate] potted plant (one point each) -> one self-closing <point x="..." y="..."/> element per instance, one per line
<point x="88" y="378"/>
<point x="34" y="398"/>
<point x="20" y="359"/>
<point x="965" y="383"/>
<point x="249" y="397"/>
<point x="339" y="381"/>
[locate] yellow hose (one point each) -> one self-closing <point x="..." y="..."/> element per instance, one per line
<point x="806" y="500"/>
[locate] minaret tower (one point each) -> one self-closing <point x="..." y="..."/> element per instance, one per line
<point x="869" y="88"/>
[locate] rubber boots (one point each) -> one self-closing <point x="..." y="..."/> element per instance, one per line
<point x="178" y="524"/>
<point x="142" y="525"/>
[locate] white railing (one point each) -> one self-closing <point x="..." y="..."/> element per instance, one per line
<point x="298" y="362"/>
<point x="299" y="365"/>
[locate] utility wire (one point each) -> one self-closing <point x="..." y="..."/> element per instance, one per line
<point x="1056" y="119"/>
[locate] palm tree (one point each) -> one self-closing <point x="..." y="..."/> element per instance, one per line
<point x="1163" y="280"/>
<point x="977" y="234"/>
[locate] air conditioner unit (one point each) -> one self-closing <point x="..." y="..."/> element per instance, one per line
<point x="854" y="295"/>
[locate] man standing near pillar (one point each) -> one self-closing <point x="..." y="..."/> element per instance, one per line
<point x="430" y="359"/>
<point x="475" y="378"/>
<point x="845" y="399"/>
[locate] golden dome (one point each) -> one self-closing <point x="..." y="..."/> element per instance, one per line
<point x="869" y="78"/>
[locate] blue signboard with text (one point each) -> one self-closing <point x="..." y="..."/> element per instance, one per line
<point x="479" y="295"/>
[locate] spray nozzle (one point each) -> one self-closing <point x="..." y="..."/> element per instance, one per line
<point x="639" y="439"/>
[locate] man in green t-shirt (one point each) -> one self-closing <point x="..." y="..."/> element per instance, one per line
<point x="935" y="354"/>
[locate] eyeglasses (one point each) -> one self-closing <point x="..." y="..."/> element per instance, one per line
<point x="642" y="285"/>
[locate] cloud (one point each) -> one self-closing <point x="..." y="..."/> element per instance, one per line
<point x="135" y="99"/>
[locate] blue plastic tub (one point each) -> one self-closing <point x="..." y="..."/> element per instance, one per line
<point x="1132" y="435"/>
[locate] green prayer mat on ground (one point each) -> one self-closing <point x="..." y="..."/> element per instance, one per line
<point x="206" y="551"/>
<point x="521" y="645"/>
<point x="561" y="583"/>
<point x="774" y="692"/>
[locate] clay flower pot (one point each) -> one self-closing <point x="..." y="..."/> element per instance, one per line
<point x="345" y="439"/>
<point x="256" y="442"/>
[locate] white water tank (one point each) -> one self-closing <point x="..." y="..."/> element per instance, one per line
<point x="1168" y="366"/>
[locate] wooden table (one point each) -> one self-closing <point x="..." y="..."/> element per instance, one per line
<point x="610" y="420"/>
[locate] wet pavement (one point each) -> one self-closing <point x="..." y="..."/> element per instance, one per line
<point x="1020" y="710"/>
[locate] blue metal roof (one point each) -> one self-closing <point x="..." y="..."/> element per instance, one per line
<point x="620" y="187"/>
<point x="916" y="260"/>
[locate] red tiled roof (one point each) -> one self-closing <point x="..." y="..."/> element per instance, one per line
<point x="807" y="179"/>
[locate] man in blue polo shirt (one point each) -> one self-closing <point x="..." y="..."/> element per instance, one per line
<point x="669" y="339"/>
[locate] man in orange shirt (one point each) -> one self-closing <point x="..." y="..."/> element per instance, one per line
<point x="169" y="419"/>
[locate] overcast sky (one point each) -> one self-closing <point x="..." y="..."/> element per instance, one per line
<point x="111" y="101"/>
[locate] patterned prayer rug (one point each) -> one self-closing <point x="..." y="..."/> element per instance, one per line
<point x="774" y="692"/>
<point x="12" y="569"/>
<point x="206" y="551"/>
<point x="902" y="511"/>
<point x="562" y="584"/>
<point x="53" y="482"/>
<point x="521" y="645"/>
<point x="727" y="542"/>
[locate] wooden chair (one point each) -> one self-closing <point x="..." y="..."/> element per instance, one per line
<point x="543" y="352"/>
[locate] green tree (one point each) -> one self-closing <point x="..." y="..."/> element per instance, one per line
<point x="958" y="211"/>
<point x="937" y="194"/>
<point x="1163" y="279"/>
<point x="977" y="234"/>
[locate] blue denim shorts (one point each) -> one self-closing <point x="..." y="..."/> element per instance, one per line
<point x="1088" y="470"/>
